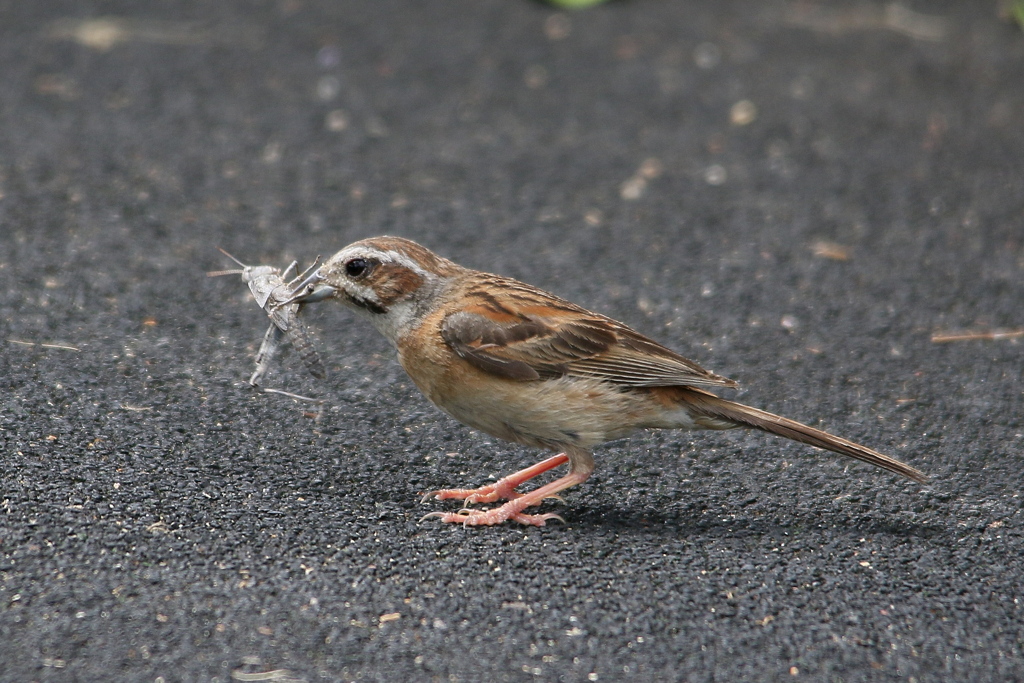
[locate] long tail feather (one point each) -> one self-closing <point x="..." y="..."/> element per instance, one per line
<point x="711" y="406"/>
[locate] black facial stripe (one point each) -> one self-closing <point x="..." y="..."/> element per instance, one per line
<point x="368" y="305"/>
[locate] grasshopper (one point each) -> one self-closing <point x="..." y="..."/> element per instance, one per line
<point x="272" y="292"/>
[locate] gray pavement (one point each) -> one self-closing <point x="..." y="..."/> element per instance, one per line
<point x="798" y="195"/>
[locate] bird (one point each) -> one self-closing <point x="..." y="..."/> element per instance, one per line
<point x="530" y="367"/>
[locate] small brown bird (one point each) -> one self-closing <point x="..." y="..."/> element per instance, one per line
<point x="527" y="366"/>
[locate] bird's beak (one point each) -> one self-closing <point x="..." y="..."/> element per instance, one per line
<point x="310" y="291"/>
<point x="317" y="293"/>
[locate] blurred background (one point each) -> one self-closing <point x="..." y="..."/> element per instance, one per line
<point x="822" y="200"/>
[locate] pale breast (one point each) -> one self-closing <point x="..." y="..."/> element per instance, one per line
<point x="550" y="413"/>
<point x="544" y="414"/>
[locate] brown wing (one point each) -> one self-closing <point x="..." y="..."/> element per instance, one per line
<point x="568" y="341"/>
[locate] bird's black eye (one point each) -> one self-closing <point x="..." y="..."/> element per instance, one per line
<point x="357" y="267"/>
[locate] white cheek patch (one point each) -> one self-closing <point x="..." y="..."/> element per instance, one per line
<point x="361" y="292"/>
<point x="400" y="318"/>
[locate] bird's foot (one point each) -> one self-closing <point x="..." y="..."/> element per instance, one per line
<point x="513" y="509"/>
<point x="490" y="517"/>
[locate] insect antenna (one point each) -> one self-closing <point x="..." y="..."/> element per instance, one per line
<point x="218" y="273"/>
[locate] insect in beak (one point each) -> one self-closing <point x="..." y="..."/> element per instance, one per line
<point x="318" y="293"/>
<point x="308" y="282"/>
<point x="309" y="293"/>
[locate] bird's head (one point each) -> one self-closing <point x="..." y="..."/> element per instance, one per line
<point x="391" y="280"/>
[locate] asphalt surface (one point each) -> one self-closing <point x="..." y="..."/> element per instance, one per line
<point x="798" y="195"/>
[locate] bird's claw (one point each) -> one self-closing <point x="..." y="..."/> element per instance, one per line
<point x="483" y="494"/>
<point x="468" y="517"/>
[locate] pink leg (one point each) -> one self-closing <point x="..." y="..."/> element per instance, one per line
<point x="504" y="488"/>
